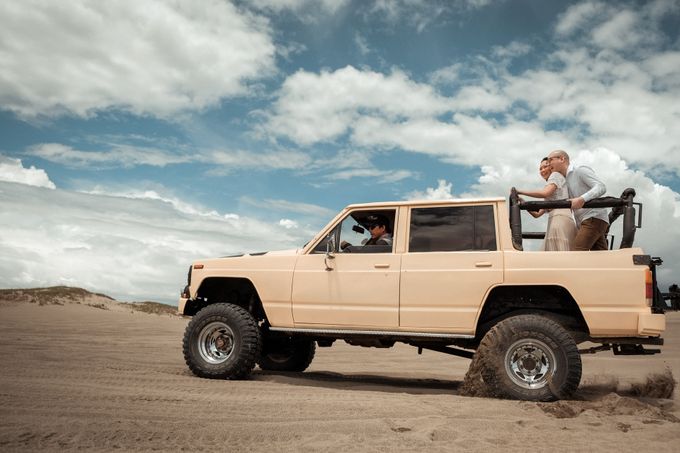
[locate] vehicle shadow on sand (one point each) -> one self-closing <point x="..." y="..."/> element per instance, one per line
<point x="602" y="395"/>
<point x="376" y="383"/>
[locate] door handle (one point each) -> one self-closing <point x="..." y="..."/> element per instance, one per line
<point x="483" y="264"/>
<point x="381" y="266"/>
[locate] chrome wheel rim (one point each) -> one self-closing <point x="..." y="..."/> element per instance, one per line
<point x="530" y="363"/>
<point x="216" y="342"/>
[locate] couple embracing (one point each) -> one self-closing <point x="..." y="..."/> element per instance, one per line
<point x="587" y="228"/>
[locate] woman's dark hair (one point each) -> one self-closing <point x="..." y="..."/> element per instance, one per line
<point x="545" y="158"/>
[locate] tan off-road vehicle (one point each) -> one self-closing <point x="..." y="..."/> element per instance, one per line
<point x="449" y="276"/>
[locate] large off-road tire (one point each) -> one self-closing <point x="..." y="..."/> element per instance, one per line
<point x="286" y="354"/>
<point x="530" y="357"/>
<point x="222" y="341"/>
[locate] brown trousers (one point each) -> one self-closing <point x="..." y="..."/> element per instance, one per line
<point x="591" y="235"/>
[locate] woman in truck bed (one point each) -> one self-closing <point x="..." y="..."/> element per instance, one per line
<point x="561" y="227"/>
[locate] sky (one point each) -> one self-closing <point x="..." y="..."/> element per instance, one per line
<point x="136" y="137"/>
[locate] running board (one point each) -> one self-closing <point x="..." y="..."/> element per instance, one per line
<point x="380" y="333"/>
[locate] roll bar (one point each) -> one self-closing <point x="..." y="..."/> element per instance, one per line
<point x="623" y="205"/>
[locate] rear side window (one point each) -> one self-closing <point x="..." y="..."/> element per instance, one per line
<point x="452" y="229"/>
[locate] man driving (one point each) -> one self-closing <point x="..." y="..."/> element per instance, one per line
<point x="378" y="226"/>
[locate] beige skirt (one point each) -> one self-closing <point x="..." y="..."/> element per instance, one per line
<point x="561" y="231"/>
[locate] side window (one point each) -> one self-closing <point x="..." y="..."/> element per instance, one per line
<point x="362" y="232"/>
<point x="322" y="246"/>
<point x="367" y="232"/>
<point x="352" y="233"/>
<point x="485" y="228"/>
<point x="452" y="229"/>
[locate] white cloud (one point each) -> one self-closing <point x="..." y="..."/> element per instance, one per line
<point x="305" y="7"/>
<point x="611" y="94"/>
<point x="340" y="166"/>
<point x="512" y="50"/>
<point x="484" y="97"/>
<point x="393" y="112"/>
<point x="160" y="194"/>
<point x="477" y="4"/>
<point x="12" y="170"/>
<point x="269" y="160"/>
<point x="318" y="107"/>
<point x="441" y="192"/>
<point x="625" y="105"/>
<point x="347" y="164"/>
<point x="379" y="176"/>
<point x="152" y="57"/>
<point x="448" y="75"/>
<point x="127" y="156"/>
<point x="622" y="27"/>
<point x="288" y="223"/>
<point x="416" y="13"/>
<point x="306" y="209"/>
<point x="657" y="9"/>
<point x="663" y="67"/>
<point x="579" y="16"/>
<point x="130" y="248"/>
<point x="467" y="140"/>
<point x="362" y="44"/>
<point x="622" y="31"/>
<point x="289" y="49"/>
<point x="420" y="14"/>
<point x="119" y="156"/>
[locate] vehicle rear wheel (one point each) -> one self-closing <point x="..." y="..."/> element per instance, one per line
<point x="222" y="341"/>
<point x="530" y="357"/>
<point x="287" y="354"/>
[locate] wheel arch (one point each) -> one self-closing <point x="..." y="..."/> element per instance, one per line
<point x="234" y="290"/>
<point x="549" y="300"/>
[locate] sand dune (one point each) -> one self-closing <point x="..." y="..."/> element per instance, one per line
<point x="75" y="376"/>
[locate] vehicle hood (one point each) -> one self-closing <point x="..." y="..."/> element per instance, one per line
<point x="289" y="252"/>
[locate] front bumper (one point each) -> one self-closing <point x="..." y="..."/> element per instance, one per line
<point x="181" y="304"/>
<point x="651" y="325"/>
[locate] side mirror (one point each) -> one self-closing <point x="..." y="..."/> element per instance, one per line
<point x="330" y="248"/>
<point x="330" y="244"/>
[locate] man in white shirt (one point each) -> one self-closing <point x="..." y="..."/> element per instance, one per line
<point x="583" y="186"/>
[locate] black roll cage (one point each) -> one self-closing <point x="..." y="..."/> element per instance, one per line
<point x="623" y="205"/>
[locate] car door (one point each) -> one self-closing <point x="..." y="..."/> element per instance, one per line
<point x="357" y="286"/>
<point x="451" y="263"/>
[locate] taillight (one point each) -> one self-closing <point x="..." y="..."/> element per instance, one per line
<point x="649" y="287"/>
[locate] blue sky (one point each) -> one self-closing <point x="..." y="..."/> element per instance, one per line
<point x="136" y="137"/>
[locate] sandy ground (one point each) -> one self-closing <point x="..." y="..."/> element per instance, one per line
<point x="78" y="377"/>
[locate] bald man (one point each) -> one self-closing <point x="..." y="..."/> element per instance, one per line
<point x="583" y="185"/>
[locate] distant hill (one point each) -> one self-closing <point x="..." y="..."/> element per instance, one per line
<point x="61" y="295"/>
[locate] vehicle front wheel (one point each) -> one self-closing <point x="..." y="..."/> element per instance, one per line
<point x="222" y="341"/>
<point x="286" y="354"/>
<point x="530" y="357"/>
